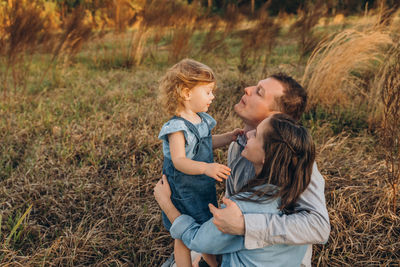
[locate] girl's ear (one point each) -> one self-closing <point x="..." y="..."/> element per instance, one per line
<point x="186" y="93"/>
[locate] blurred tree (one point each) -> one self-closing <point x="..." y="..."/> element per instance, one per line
<point x="347" y="7"/>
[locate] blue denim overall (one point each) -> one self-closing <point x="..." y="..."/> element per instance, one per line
<point x="192" y="193"/>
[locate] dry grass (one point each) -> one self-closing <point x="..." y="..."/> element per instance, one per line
<point x="22" y="34"/>
<point x="340" y="69"/>
<point x="388" y="80"/>
<point x="365" y="232"/>
<point x="258" y="42"/>
<point x="303" y="28"/>
<point x="213" y="41"/>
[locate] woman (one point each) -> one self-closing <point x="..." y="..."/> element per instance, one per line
<point x="282" y="153"/>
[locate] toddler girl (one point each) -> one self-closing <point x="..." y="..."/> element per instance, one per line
<point x="187" y="92"/>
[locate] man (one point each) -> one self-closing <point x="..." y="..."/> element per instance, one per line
<point x="278" y="93"/>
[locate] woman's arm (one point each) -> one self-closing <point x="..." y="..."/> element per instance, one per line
<point x="310" y="226"/>
<point x="220" y="140"/>
<point x="162" y="194"/>
<point x="178" y="156"/>
<point x="204" y="238"/>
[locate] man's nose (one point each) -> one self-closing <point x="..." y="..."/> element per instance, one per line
<point x="247" y="90"/>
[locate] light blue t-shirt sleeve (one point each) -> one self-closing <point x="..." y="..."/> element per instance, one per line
<point x="210" y="120"/>
<point x="173" y="126"/>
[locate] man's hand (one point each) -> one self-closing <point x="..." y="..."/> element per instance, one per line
<point x="229" y="220"/>
<point x="217" y="171"/>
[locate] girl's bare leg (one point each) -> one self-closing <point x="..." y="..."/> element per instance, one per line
<point x="182" y="254"/>
<point x="210" y="259"/>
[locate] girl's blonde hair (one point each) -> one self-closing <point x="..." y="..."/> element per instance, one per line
<point x="185" y="74"/>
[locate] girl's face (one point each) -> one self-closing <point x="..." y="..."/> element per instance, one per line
<point x="200" y="97"/>
<point x="254" y="149"/>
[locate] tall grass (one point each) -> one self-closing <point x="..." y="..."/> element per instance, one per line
<point x="339" y="71"/>
<point x="388" y="82"/>
<point x="214" y="39"/>
<point x="258" y="42"/>
<point x="22" y="35"/>
<point x="304" y="27"/>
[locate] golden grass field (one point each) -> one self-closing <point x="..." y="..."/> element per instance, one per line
<point x="79" y="120"/>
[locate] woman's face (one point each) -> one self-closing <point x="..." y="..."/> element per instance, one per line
<point x="254" y="149"/>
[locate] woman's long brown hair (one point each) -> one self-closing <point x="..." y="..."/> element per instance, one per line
<point x="289" y="157"/>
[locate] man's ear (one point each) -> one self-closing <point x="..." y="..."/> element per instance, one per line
<point x="186" y="93"/>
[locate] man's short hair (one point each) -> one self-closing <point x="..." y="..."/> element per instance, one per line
<point x="293" y="102"/>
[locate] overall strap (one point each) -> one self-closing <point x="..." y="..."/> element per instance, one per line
<point x="203" y="118"/>
<point x="190" y="125"/>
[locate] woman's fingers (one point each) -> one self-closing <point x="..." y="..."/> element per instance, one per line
<point x="212" y="208"/>
<point x="227" y="201"/>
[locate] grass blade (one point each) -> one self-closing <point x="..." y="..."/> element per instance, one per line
<point x="17" y="225"/>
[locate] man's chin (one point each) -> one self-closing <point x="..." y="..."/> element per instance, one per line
<point x="236" y="108"/>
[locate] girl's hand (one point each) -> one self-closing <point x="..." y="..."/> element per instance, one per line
<point x="235" y="133"/>
<point x="162" y="191"/>
<point x="217" y="171"/>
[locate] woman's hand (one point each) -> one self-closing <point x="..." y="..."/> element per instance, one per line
<point x="162" y="191"/>
<point x="229" y="220"/>
<point x="162" y="194"/>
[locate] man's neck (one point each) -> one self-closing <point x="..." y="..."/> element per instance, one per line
<point x="248" y="127"/>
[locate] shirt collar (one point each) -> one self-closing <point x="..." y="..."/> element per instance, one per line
<point x="242" y="140"/>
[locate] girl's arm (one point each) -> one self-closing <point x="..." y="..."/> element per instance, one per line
<point x="181" y="163"/>
<point x="220" y="140"/>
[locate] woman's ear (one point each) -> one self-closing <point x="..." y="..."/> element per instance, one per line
<point x="186" y="93"/>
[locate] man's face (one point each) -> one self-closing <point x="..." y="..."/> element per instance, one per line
<point x="258" y="102"/>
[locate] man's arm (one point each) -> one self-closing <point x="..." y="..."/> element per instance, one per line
<point x="310" y="226"/>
